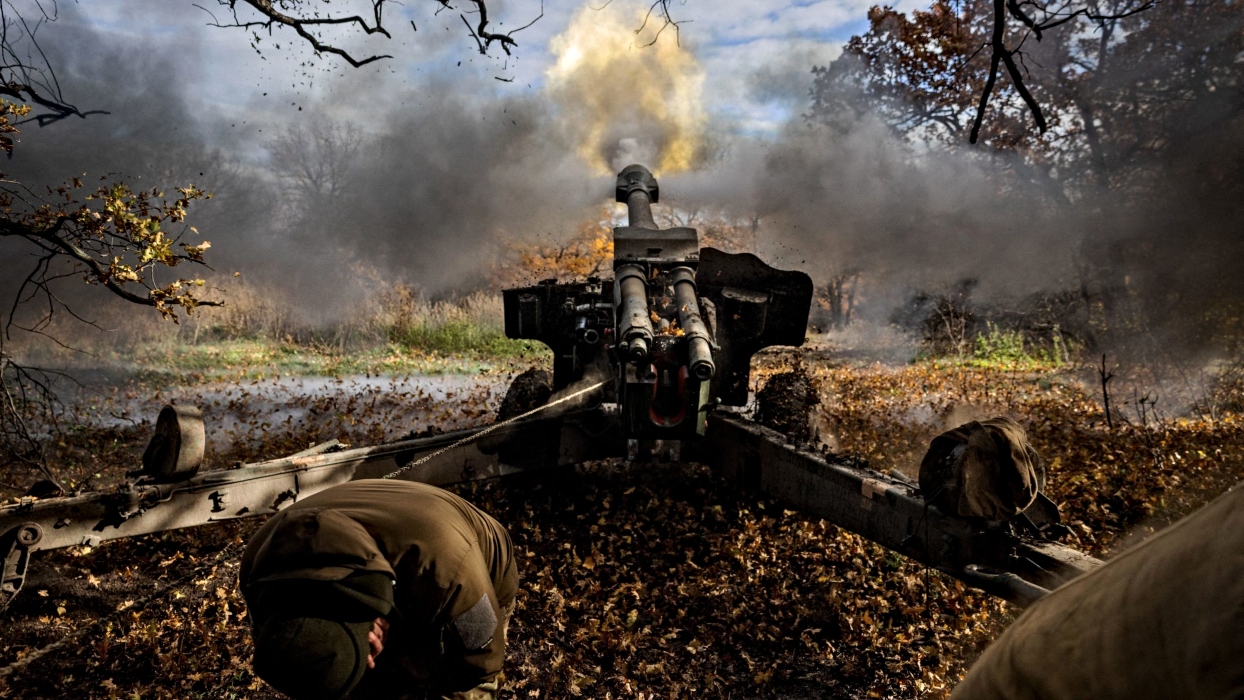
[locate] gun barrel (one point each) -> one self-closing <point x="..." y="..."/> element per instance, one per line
<point x="638" y="188"/>
<point x="639" y="210"/>
<point x="634" y="324"/>
<point x="699" y="349"/>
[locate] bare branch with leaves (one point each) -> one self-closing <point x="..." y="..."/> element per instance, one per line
<point x="111" y="236"/>
<point x="114" y="237"/>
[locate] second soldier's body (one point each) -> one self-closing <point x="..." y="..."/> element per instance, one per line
<point x="380" y="589"/>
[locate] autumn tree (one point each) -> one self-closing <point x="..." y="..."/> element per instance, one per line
<point x="586" y="253"/>
<point x="314" y="159"/>
<point x="1117" y="86"/>
<point x="108" y="235"/>
<point x="732" y="234"/>
<point x="959" y="66"/>
<point x="1144" y="115"/>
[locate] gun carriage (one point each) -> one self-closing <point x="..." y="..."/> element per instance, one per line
<point x="660" y="356"/>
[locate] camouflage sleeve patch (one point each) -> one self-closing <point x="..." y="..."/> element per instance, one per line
<point x="476" y="626"/>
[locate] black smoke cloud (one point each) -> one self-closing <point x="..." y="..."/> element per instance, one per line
<point x="446" y="174"/>
<point x="1156" y="259"/>
<point x="442" y="186"/>
<point x="149" y="136"/>
<point x="831" y="201"/>
<point x="863" y="199"/>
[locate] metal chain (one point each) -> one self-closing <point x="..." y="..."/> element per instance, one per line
<point x="475" y="436"/>
<point x="33" y="656"/>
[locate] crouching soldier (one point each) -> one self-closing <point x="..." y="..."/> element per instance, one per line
<point x="1164" y="619"/>
<point x="380" y="589"/>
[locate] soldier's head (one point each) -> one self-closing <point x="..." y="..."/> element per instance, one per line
<point x="312" y="637"/>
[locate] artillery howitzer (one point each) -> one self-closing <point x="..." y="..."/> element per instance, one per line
<point x="662" y="353"/>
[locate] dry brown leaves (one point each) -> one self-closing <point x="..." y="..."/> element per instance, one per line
<point x="1112" y="484"/>
<point x="656" y="581"/>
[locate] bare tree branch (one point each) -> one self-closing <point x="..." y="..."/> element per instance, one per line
<point x="1059" y="18"/>
<point x="997" y="49"/>
<point x="275" y="17"/>
<point x="1000" y="54"/>
<point x="275" y="13"/>
<point x="484" y="38"/>
<point x="662" y="8"/>
<point x="27" y="403"/>
<point x="31" y="78"/>
<point x="1008" y="58"/>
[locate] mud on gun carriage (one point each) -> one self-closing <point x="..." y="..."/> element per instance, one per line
<point x="659" y="357"/>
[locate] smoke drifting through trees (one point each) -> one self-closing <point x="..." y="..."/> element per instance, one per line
<point x="439" y="173"/>
<point x="1133" y="199"/>
<point x="428" y="187"/>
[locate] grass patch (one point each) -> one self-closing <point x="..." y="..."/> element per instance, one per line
<point x="461" y="336"/>
<point x="261" y="333"/>
<point x="259" y="358"/>
<point x="1010" y="349"/>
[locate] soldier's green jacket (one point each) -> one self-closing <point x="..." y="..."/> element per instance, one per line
<point x="445" y="555"/>
<point x="1162" y="620"/>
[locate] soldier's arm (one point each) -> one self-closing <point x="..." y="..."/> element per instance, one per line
<point x="473" y="635"/>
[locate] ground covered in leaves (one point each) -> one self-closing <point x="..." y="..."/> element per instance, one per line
<point x="644" y="581"/>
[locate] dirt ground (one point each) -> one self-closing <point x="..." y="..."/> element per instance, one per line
<point x="644" y="581"/>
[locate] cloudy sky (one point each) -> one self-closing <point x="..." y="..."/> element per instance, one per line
<point x="755" y="56"/>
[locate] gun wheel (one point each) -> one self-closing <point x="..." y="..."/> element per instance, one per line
<point x="529" y="390"/>
<point x="786" y="403"/>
